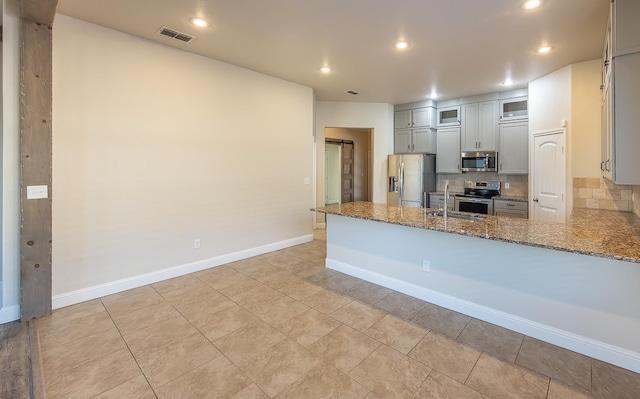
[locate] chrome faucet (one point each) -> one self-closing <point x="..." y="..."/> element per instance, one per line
<point x="446" y="196"/>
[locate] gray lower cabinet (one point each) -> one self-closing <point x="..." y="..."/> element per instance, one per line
<point x="514" y="209"/>
<point x="436" y="201"/>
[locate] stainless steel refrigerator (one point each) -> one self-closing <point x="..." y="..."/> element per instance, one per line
<point x="411" y="178"/>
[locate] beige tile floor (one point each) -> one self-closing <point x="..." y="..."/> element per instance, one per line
<point x="280" y="325"/>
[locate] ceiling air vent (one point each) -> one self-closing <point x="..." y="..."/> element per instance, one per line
<point x="183" y="37"/>
<point x="352" y="92"/>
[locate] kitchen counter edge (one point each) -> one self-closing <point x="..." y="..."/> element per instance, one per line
<point x="583" y="232"/>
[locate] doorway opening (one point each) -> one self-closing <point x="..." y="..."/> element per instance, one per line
<point x="355" y="179"/>
<point x="339" y="171"/>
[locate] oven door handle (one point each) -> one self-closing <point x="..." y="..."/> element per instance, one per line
<point x="476" y="200"/>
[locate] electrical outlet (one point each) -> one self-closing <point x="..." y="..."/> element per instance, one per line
<point x="196" y="243"/>
<point x="506" y="186"/>
<point x="426" y="265"/>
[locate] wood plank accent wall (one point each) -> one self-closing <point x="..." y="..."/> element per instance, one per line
<point x="36" y="157"/>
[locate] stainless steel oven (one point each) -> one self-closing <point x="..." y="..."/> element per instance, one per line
<point x="477" y="197"/>
<point x="473" y="204"/>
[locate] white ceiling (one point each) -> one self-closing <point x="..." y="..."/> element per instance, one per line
<point x="458" y="47"/>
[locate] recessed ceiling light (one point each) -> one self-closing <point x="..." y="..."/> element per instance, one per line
<point x="199" y="22"/>
<point x="531" y="4"/>
<point x="433" y="95"/>
<point x="543" y="49"/>
<point x="325" y="69"/>
<point x="401" y="45"/>
<point x="508" y="82"/>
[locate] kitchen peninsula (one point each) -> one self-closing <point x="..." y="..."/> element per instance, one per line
<point x="574" y="285"/>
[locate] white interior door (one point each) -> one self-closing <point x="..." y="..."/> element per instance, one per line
<point x="332" y="174"/>
<point x="549" y="174"/>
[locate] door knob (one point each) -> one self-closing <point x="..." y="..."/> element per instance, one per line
<point x="535" y="200"/>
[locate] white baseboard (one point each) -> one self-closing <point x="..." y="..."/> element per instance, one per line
<point x="599" y="350"/>
<point x="9" y="313"/>
<point x="97" y="291"/>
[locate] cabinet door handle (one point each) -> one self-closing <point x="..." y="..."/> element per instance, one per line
<point x="413" y="146"/>
<point x="408" y="147"/>
<point x="500" y="165"/>
<point x="606" y="165"/>
<point x="535" y="200"/>
<point x="458" y="167"/>
<point x="510" y="205"/>
<point x="602" y="166"/>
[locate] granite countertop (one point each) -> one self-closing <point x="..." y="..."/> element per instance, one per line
<point x="606" y="234"/>
<point x="511" y="198"/>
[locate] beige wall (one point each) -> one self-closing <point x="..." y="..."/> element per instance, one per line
<point x="154" y="147"/>
<point x="362" y="144"/>
<point x="585" y="116"/>
<point x="376" y="116"/>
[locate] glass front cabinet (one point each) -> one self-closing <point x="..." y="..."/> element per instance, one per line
<point x="514" y="109"/>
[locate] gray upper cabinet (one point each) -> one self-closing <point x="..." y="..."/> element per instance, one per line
<point x="621" y="94"/>
<point x="624" y="23"/>
<point x="414" y="118"/>
<point x="479" y="126"/>
<point x="413" y="132"/>
<point x="414" y="141"/>
<point x="402" y="141"/>
<point x="448" y="154"/>
<point x="402" y="119"/>
<point x="513" y="154"/>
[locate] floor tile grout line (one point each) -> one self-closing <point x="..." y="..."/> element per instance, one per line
<point x="164" y="346"/>
<point x="239" y="369"/>
<point x="83" y="363"/>
<point x="131" y="353"/>
<point x="548" y="389"/>
<point x="465" y="326"/>
<point x="473" y="368"/>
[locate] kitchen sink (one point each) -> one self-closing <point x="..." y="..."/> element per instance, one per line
<point x="457" y="215"/>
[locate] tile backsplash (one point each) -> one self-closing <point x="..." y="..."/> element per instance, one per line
<point x="518" y="184"/>
<point x="599" y="193"/>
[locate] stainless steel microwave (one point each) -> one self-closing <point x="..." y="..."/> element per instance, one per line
<point x="484" y="161"/>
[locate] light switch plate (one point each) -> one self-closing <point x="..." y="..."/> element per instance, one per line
<point x="37" y="192"/>
<point x="307" y="180"/>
